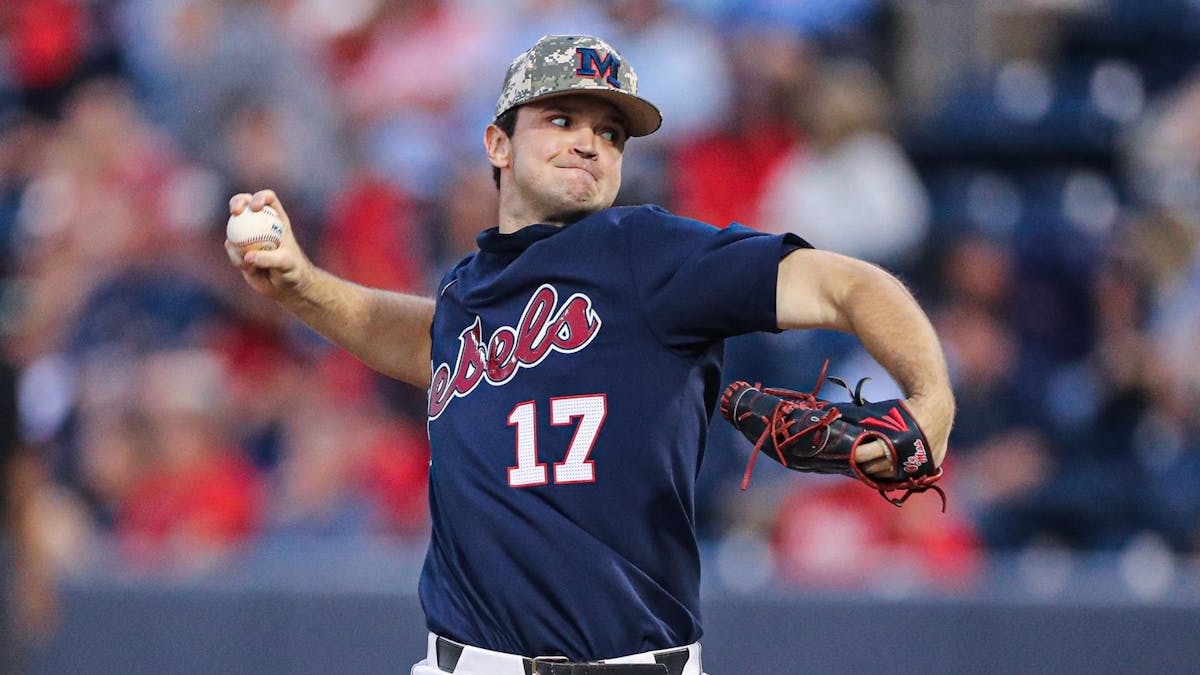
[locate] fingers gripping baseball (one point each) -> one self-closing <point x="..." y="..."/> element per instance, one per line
<point x="873" y="458"/>
<point x="265" y="249"/>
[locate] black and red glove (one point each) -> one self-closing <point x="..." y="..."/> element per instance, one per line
<point x="805" y="433"/>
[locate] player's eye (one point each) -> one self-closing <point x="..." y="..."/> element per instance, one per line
<point x="614" y="135"/>
<point x="560" y="121"/>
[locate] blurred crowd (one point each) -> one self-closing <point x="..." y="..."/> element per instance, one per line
<point x="1031" y="169"/>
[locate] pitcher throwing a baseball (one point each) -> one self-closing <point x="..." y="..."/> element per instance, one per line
<point x="571" y="366"/>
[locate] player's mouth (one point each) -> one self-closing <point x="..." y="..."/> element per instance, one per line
<point x="584" y="169"/>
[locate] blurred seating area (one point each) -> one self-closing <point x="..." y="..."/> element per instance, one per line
<point x="1030" y="168"/>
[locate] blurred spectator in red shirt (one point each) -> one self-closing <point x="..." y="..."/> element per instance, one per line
<point x="349" y="466"/>
<point x="719" y="177"/>
<point x="838" y="534"/>
<point x="409" y="125"/>
<point x="395" y="475"/>
<point x="46" y="49"/>
<point x="373" y="237"/>
<point x="198" y="498"/>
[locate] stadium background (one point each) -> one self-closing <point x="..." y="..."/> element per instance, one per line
<point x="218" y="490"/>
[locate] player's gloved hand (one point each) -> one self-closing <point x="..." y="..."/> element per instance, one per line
<point x="880" y="443"/>
<point x="281" y="274"/>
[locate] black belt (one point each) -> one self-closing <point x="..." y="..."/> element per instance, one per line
<point x="665" y="663"/>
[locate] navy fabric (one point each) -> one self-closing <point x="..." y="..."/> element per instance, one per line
<point x="617" y="319"/>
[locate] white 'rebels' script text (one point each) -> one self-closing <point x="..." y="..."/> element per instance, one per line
<point x="544" y="327"/>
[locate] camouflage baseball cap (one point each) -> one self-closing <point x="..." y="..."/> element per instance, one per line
<point x="570" y="64"/>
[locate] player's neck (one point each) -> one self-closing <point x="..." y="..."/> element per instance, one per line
<point x="510" y="226"/>
<point x="514" y="217"/>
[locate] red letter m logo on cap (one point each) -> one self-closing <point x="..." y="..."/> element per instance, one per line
<point x="592" y="66"/>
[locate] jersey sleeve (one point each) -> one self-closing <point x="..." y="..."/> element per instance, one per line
<point x="698" y="283"/>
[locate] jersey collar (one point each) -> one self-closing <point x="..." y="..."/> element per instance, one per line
<point x="493" y="241"/>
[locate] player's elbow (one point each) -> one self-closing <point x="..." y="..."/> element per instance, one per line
<point x="818" y="289"/>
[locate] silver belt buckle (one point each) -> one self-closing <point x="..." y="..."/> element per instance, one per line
<point x="546" y="659"/>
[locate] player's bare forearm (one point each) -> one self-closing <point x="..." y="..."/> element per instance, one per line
<point x="388" y="331"/>
<point x="820" y="289"/>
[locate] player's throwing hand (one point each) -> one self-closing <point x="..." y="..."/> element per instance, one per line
<point x="276" y="274"/>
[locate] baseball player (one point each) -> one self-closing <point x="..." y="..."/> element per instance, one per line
<point x="571" y="366"/>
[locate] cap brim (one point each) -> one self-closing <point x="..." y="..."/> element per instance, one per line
<point x="642" y="117"/>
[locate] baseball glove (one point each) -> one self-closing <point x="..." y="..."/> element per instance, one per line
<point x="805" y="433"/>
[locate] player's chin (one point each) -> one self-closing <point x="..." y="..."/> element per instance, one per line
<point x="574" y="215"/>
<point x="577" y="206"/>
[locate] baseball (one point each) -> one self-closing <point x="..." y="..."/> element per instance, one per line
<point x="253" y="231"/>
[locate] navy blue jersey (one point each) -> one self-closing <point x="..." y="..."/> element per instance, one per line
<point x="574" y="374"/>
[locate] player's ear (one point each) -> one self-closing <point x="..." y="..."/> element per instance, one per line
<point x="498" y="145"/>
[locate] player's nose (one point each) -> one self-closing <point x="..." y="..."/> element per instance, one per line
<point x="584" y="144"/>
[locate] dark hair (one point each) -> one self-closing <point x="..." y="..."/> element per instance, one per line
<point x="507" y="121"/>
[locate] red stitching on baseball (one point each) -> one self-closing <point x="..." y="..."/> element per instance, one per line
<point x="255" y="240"/>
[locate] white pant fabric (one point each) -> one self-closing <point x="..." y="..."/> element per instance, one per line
<point x="476" y="661"/>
